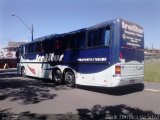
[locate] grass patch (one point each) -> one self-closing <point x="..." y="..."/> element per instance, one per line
<point x="152" y="71"/>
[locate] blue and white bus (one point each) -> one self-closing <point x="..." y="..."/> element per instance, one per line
<point x="109" y="54"/>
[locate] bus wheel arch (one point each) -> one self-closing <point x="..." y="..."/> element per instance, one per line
<point x="57" y="76"/>
<point x="69" y="77"/>
<point x="23" y="71"/>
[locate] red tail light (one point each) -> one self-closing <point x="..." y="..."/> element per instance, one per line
<point x="117" y="69"/>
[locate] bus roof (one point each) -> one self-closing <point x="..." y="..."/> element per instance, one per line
<point x="117" y="20"/>
<point x="102" y="24"/>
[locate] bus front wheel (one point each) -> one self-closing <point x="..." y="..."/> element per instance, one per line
<point x="23" y="72"/>
<point x="69" y="79"/>
<point x="57" y="76"/>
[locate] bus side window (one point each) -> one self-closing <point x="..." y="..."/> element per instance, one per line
<point x="38" y="47"/>
<point x="30" y="48"/>
<point x="50" y="45"/>
<point x="65" y="43"/>
<point x="104" y="37"/>
<point x="47" y="46"/>
<point x="44" y="46"/>
<point x="92" y="38"/>
<point x="77" y="41"/>
<point x="26" y="48"/>
<point x="107" y="37"/>
<point x="81" y="40"/>
<point x="57" y="46"/>
<point x="73" y="42"/>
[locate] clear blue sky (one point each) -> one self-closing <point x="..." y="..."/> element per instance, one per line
<point x="59" y="16"/>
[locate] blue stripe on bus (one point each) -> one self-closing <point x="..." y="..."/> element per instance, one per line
<point x="83" y="60"/>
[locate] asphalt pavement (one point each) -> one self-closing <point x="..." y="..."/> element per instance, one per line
<point x="34" y="99"/>
<point x="148" y="86"/>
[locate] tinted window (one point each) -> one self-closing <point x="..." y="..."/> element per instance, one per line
<point x="38" y="47"/>
<point x="92" y="38"/>
<point x="48" y="45"/>
<point x="81" y="39"/>
<point x="75" y="41"/>
<point x="107" y="39"/>
<point x="30" y="48"/>
<point x="104" y="36"/>
<point x="99" y="37"/>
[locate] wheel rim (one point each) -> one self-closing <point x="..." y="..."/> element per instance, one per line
<point x="57" y="76"/>
<point x="23" y="72"/>
<point x="69" y="78"/>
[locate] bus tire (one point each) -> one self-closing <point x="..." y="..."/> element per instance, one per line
<point x="69" y="78"/>
<point x="57" y="76"/>
<point x="23" y="72"/>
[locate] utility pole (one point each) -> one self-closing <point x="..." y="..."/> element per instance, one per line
<point x="30" y="29"/>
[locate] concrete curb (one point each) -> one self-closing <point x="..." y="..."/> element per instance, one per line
<point x="152" y="90"/>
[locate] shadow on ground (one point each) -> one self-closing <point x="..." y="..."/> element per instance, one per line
<point x="28" y="91"/>
<point x="9" y="74"/>
<point x="115" y="112"/>
<point x="97" y="112"/>
<point x="118" y="91"/>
